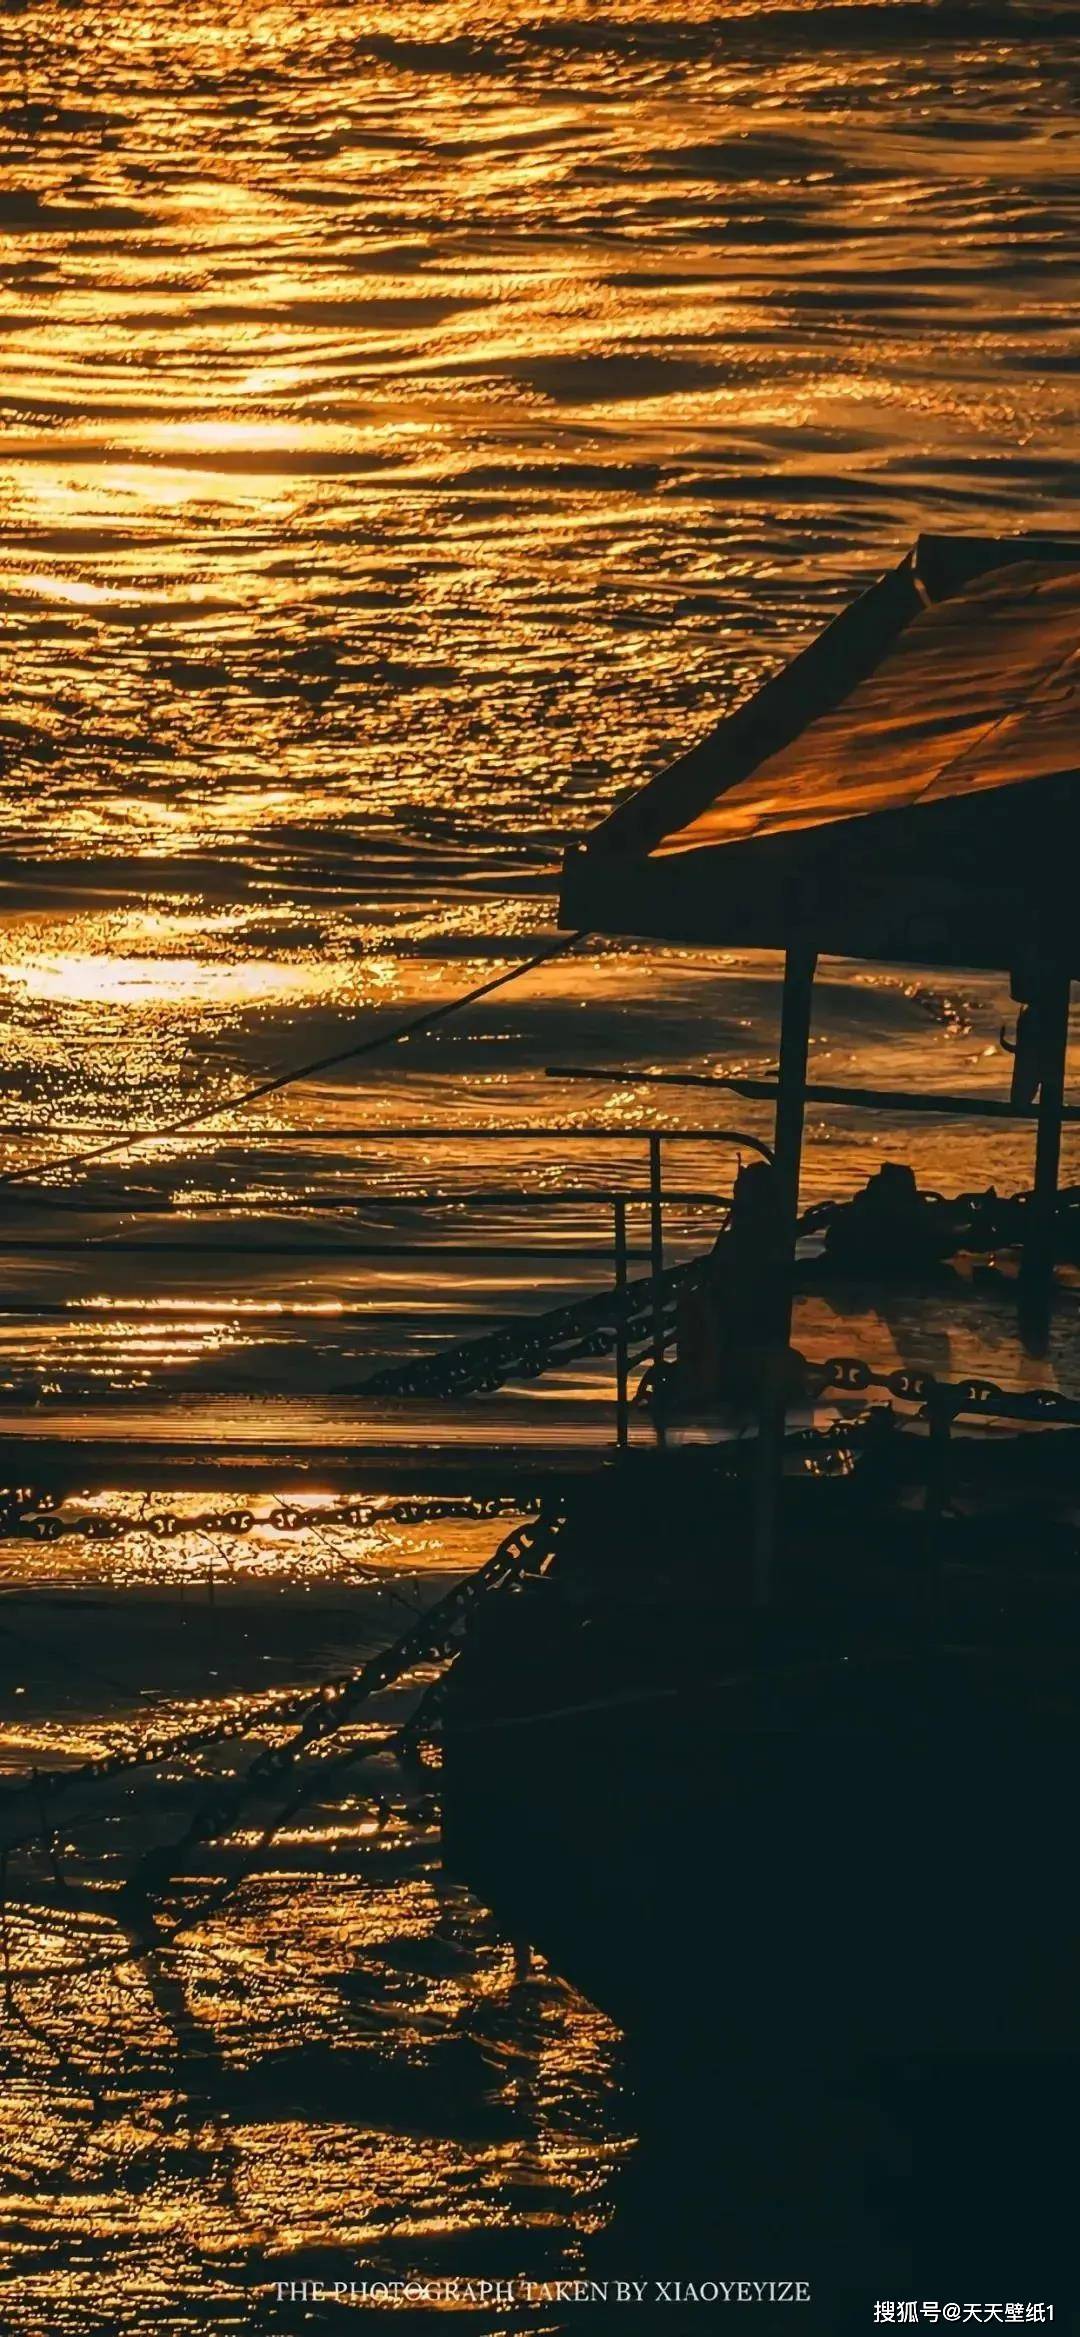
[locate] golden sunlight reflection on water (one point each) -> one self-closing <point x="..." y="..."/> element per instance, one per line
<point x="342" y="2063"/>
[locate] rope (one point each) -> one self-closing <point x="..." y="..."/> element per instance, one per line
<point x="185" y="1126"/>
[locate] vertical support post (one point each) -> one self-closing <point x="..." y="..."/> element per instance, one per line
<point x="798" y="992"/>
<point x="1037" y="1268"/>
<point x="656" y="1252"/>
<point x="939" y="1417"/>
<point x="622" y="1343"/>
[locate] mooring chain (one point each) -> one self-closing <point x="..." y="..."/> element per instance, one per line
<point x="311" y="1710"/>
<point x="433" y="1638"/>
<point x="39" y="1517"/>
<point x="853" y="1376"/>
<point x="526" y="1350"/>
<point x="973" y="1221"/>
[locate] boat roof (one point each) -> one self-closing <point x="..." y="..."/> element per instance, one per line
<point x="908" y="788"/>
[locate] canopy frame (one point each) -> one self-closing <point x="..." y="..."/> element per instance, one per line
<point x="932" y="876"/>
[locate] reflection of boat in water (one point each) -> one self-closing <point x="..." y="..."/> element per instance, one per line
<point x="816" y="1861"/>
<point x="781" y="1770"/>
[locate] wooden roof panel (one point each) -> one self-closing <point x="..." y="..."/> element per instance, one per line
<point x="907" y="788"/>
<point x="976" y="692"/>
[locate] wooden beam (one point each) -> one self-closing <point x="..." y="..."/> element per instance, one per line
<point x="798" y="992"/>
<point x="862" y="1099"/>
<point x="1037" y="1266"/>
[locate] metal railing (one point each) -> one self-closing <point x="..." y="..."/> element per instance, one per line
<point x="650" y="1195"/>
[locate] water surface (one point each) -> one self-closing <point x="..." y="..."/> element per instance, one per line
<point x="419" y="424"/>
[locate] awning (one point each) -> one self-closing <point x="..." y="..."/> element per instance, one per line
<point x="908" y="788"/>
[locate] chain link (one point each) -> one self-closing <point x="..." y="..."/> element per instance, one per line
<point x="432" y="1639"/>
<point x="527" y="1350"/>
<point x="312" y="1712"/>
<point x="980" y="1222"/>
<point x="37" y="1516"/>
<point x="852" y="1375"/>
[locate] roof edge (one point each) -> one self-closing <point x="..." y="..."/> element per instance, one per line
<point x="812" y="682"/>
